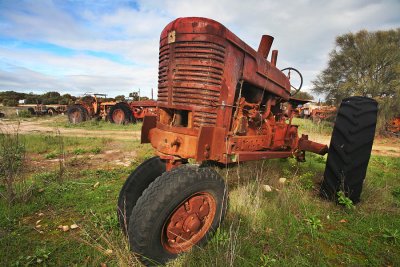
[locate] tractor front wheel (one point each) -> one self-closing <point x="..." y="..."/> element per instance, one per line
<point x="134" y="186"/>
<point x="120" y="114"/>
<point x="77" y="114"/>
<point x="181" y="209"/>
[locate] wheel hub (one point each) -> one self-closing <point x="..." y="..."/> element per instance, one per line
<point x="188" y="224"/>
<point x="75" y="116"/>
<point x="118" y="116"/>
<point x="192" y="224"/>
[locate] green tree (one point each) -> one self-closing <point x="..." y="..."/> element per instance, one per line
<point x="134" y="96"/>
<point x="367" y="64"/>
<point x="10" y="98"/>
<point x="51" y="98"/>
<point x="120" y="98"/>
<point x="303" y="95"/>
<point x="67" y="99"/>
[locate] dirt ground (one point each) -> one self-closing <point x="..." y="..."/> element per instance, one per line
<point x="37" y="127"/>
<point x="388" y="146"/>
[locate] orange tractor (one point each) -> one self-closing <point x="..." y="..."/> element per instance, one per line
<point x="88" y="107"/>
<point x="220" y="101"/>
<point x="394" y="126"/>
<point x="323" y="113"/>
<point x="317" y="113"/>
<point x="128" y="112"/>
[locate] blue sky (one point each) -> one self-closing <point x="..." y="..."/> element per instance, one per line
<point x="112" y="46"/>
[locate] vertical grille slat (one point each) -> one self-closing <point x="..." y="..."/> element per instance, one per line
<point x="162" y="95"/>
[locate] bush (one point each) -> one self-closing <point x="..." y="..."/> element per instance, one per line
<point x="24" y="114"/>
<point x="12" y="161"/>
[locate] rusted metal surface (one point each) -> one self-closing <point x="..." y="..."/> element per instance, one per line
<point x="219" y="99"/>
<point x="149" y="123"/>
<point x="142" y="108"/>
<point x="189" y="223"/>
<point x="317" y="112"/>
<point x="172" y="143"/>
<point x="394" y="125"/>
<point x="307" y="145"/>
<point x="323" y="113"/>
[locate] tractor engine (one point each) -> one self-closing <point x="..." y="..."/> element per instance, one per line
<point x="219" y="99"/>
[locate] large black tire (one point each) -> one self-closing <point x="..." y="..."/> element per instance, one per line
<point x="350" y="148"/>
<point x="165" y="197"/>
<point x="77" y="114"/>
<point x="134" y="186"/>
<point x="121" y="109"/>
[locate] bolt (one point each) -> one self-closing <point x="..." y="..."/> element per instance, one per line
<point x="187" y="207"/>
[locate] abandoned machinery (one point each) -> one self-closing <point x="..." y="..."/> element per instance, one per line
<point x="221" y="101"/>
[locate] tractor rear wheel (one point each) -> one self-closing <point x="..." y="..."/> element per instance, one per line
<point x="181" y="209"/>
<point x="120" y="114"/>
<point x="134" y="186"/>
<point x="77" y="114"/>
<point x="350" y="148"/>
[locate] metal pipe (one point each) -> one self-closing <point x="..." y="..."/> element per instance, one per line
<point x="265" y="45"/>
<point x="274" y="57"/>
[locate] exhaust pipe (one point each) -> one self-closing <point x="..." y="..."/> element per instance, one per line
<point x="265" y="45"/>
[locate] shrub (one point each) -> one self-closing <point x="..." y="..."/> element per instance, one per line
<point x="24" y="114"/>
<point x="12" y="160"/>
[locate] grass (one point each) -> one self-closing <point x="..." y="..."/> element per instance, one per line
<point x="294" y="227"/>
<point x="290" y="226"/>
<point x="308" y="126"/>
<point x="62" y="121"/>
<point x="85" y="197"/>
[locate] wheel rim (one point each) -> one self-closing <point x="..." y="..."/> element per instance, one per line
<point x="75" y="116"/>
<point x="188" y="223"/>
<point x="118" y="116"/>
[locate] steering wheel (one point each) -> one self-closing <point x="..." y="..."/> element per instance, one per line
<point x="301" y="79"/>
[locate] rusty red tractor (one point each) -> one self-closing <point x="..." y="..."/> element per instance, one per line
<point x="88" y="107"/>
<point x="130" y="112"/>
<point x="221" y="101"/>
<point x="393" y="126"/>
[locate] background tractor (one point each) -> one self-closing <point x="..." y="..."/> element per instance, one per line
<point x="132" y="111"/>
<point x="41" y="110"/>
<point x="88" y="107"/>
<point x="317" y="112"/>
<point x="221" y="102"/>
<point x="393" y="126"/>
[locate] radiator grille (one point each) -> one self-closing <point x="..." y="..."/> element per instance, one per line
<point x="196" y="77"/>
<point x="163" y="62"/>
